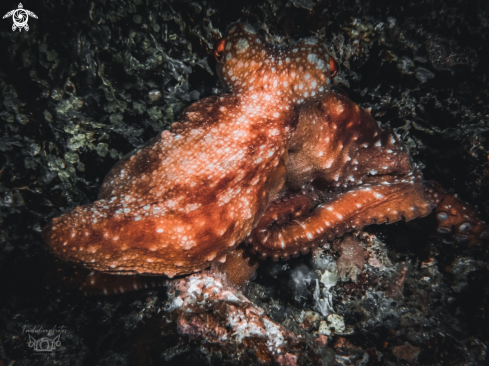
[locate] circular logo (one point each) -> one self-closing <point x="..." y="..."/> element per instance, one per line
<point x="20" y="18"/>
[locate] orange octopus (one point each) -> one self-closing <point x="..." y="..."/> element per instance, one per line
<point x="281" y="162"/>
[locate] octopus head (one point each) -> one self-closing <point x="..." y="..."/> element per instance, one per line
<point x="299" y="71"/>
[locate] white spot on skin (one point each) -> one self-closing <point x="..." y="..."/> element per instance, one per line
<point x="329" y="163"/>
<point x="242" y="45"/>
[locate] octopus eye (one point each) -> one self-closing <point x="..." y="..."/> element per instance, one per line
<point x="333" y="66"/>
<point x="219" y="49"/>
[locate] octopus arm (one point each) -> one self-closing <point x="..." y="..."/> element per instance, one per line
<point x="353" y="173"/>
<point x="348" y="211"/>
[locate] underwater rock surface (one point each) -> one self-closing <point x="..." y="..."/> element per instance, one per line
<point x="92" y="80"/>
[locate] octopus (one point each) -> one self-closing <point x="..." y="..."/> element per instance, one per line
<point x="281" y="162"/>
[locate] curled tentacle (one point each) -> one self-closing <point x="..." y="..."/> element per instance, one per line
<point x="359" y="172"/>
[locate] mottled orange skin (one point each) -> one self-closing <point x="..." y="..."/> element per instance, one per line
<point x="195" y="192"/>
<point x="280" y="161"/>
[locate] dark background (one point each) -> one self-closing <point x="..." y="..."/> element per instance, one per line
<point x="75" y="97"/>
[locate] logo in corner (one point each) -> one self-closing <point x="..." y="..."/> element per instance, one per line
<point x="44" y="344"/>
<point x="20" y="17"/>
